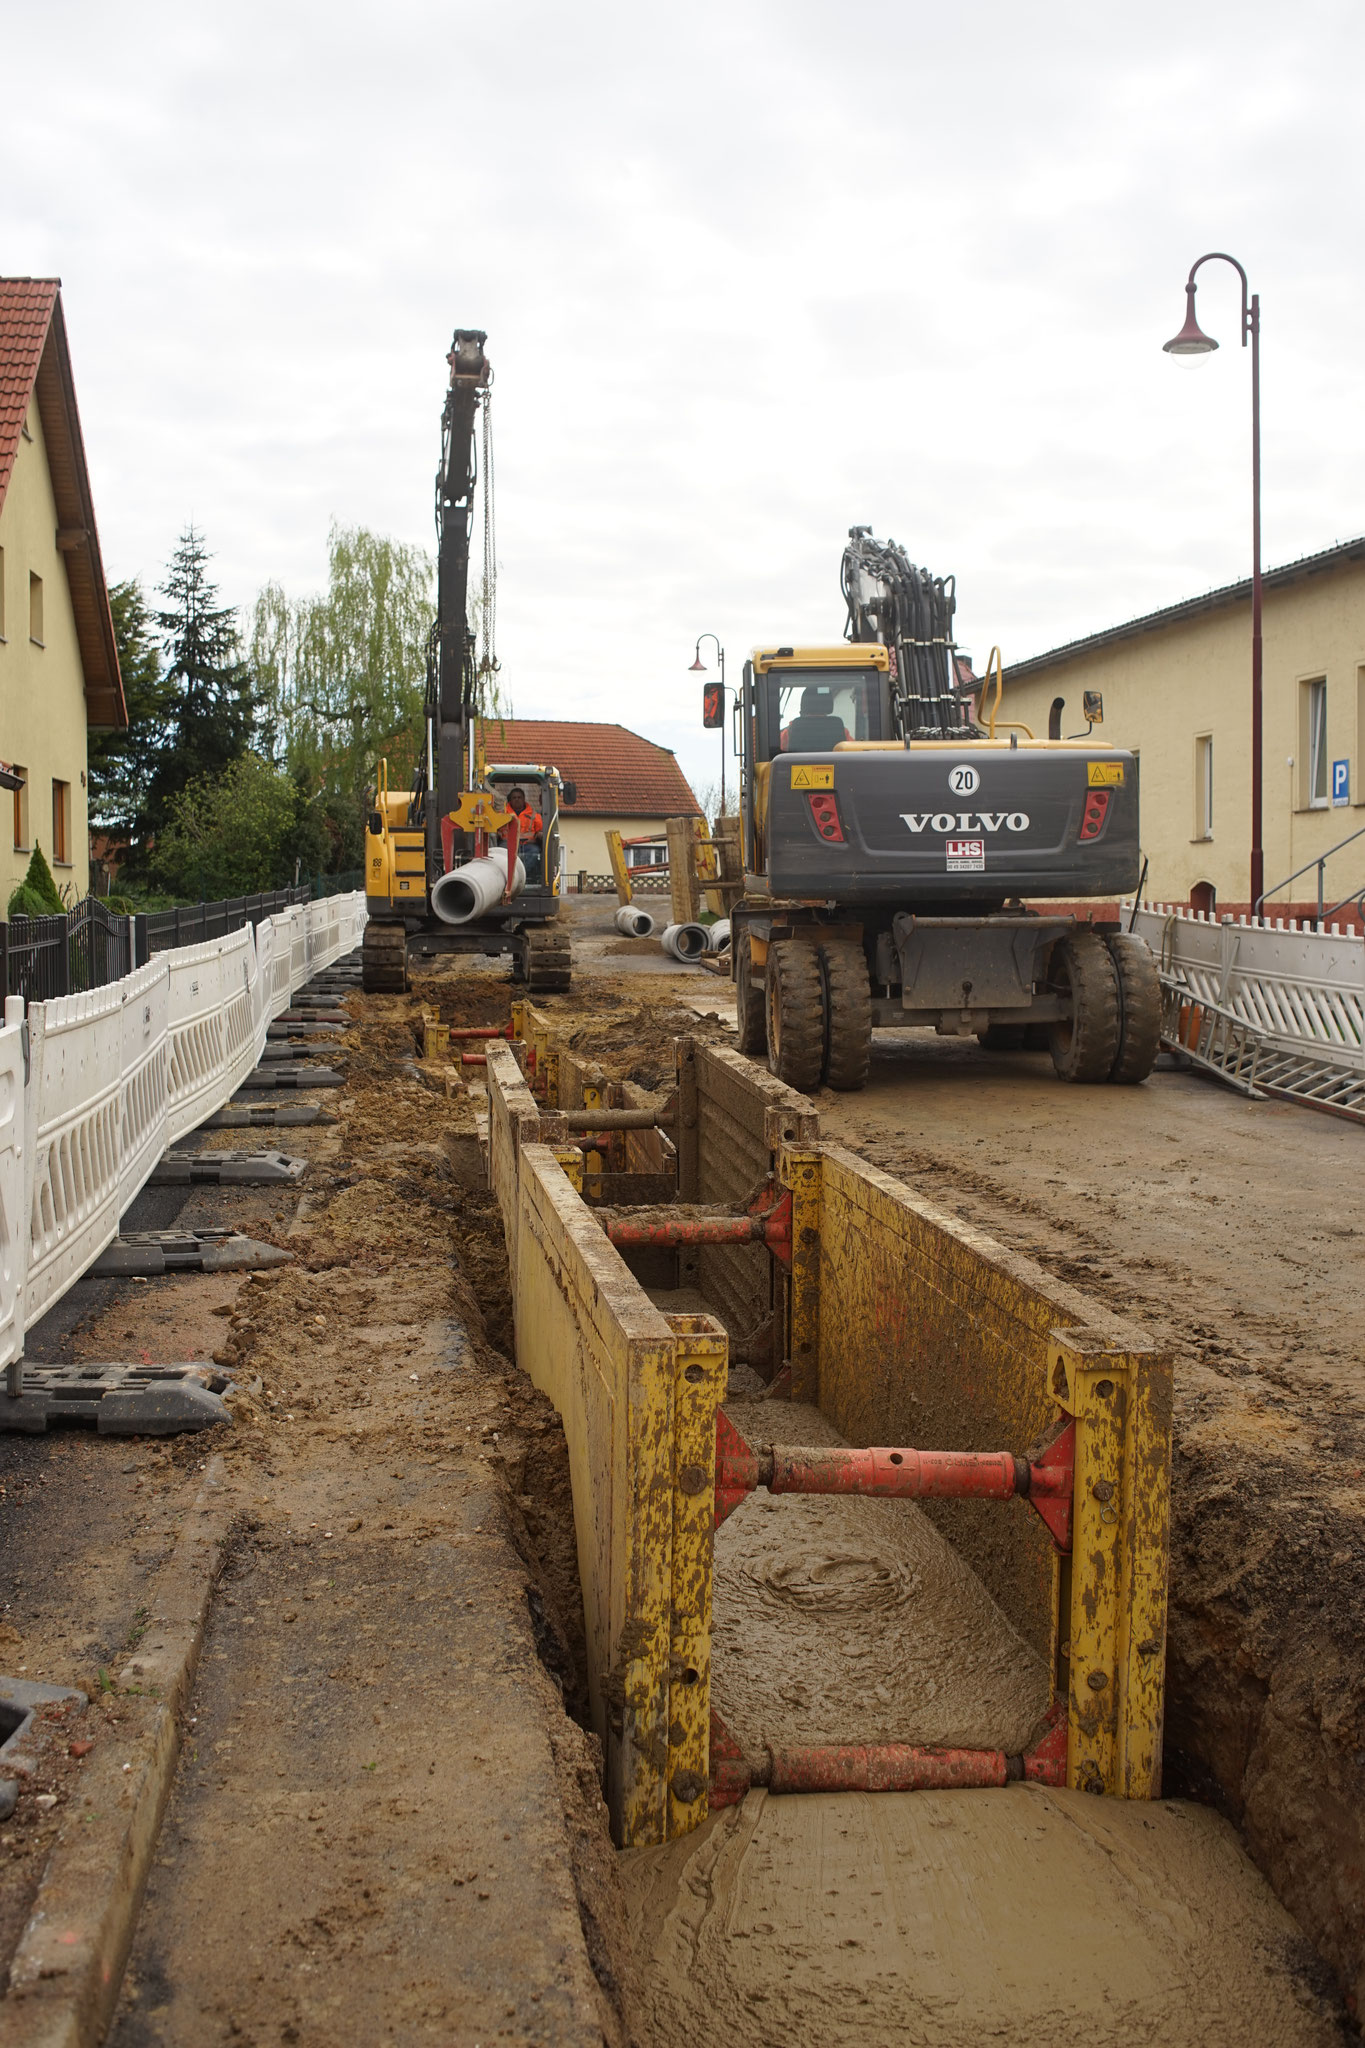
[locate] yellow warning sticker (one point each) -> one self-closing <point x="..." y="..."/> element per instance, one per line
<point x="1099" y="774"/>
<point x="812" y="778"/>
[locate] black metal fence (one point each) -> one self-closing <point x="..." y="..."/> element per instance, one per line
<point x="42" y="957"/>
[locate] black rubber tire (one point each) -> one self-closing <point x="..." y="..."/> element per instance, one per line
<point x="549" y="964"/>
<point x="384" y="959"/>
<point x="795" y="1010"/>
<point x="1003" y="1038"/>
<point x="1139" y="1008"/>
<point x="751" y="1022"/>
<point x="848" y="1017"/>
<point x="1085" y="1045"/>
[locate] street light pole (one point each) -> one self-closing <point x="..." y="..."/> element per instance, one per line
<point x="1192" y="341"/>
<point x="699" y="666"/>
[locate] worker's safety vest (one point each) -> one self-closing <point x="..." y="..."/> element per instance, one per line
<point x="528" y="824"/>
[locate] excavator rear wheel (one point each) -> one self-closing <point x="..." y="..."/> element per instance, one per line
<point x="548" y="964"/>
<point x="848" y="1010"/>
<point x="1139" y="1007"/>
<point x="1085" y="1045"/>
<point x="751" y="1023"/>
<point x="796" y="1014"/>
<point x="384" y="959"/>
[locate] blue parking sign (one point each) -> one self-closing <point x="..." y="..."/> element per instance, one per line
<point x="1341" y="782"/>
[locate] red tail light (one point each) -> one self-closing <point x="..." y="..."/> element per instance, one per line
<point x="824" y="809"/>
<point x="1096" y="811"/>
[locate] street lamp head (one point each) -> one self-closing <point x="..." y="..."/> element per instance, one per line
<point x="698" y="667"/>
<point x="1191" y="340"/>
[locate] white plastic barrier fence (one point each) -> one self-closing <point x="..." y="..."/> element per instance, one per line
<point x="94" y="1087"/>
<point x="1293" y="986"/>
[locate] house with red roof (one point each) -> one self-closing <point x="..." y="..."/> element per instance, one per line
<point x="59" y="673"/>
<point x="622" y="782"/>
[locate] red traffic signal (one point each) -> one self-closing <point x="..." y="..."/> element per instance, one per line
<point x="712" y="706"/>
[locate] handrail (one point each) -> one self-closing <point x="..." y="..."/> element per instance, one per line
<point x="1320" y="863"/>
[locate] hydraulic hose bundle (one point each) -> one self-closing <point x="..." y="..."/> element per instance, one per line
<point x="910" y="612"/>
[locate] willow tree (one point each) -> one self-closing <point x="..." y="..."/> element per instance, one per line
<point x="342" y="677"/>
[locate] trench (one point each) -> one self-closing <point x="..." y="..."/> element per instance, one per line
<point x="934" y="1916"/>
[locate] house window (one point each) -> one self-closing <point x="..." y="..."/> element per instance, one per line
<point x="1315" y="700"/>
<point x="35" y="609"/>
<point x="1203" y="786"/>
<point x="61" y="823"/>
<point x="21" y="810"/>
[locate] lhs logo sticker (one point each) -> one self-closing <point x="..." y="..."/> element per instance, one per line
<point x="966" y="856"/>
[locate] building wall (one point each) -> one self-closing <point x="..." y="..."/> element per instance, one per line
<point x="1169" y="689"/>
<point x="585" y="840"/>
<point x="42" y="688"/>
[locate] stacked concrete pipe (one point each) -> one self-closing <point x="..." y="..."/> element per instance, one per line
<point x="686" y="942"/>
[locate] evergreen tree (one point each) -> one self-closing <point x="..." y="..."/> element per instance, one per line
<point x="212" y="705"/>
<point x="122" y="763"/>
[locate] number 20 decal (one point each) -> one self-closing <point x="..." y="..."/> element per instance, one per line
<point x="963" y="781"/>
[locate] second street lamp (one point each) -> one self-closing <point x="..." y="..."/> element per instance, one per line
<point x="698" y="666"/>
<point x="1192" y="341"/>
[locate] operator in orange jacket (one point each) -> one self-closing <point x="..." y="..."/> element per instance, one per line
<point x="530" y="830"/>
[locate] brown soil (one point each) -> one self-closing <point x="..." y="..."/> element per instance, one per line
<point x="386" y="1823"/>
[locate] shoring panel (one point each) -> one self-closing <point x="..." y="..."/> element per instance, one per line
<point x="595" y="1345"/>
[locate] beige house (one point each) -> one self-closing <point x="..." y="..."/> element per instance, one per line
<point x="59" y="674"/>
<point x="1177" y="690"/>
<point x="622" y="782"/>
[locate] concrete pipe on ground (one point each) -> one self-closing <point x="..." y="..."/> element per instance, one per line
<point x="476" y="888"/>
<point x="684" y="941"/>
<point x="718" y="937"/>
<point x="635" y="923"/>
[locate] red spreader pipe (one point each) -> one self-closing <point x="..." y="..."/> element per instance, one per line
<point x="771" y="1226"/>
<point x="481" y="1031"/>
<point x="881" y="1766"/>
<point x="473" y="1059"/>
<point x="897" y="1474"/>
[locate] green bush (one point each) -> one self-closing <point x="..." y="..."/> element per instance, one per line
<point x="37" y="895"/>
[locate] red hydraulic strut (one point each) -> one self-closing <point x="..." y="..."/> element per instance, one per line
<point x="771" y="1226"/>
<point x="881" y="1766"/>
<point x="899" y="1474"/>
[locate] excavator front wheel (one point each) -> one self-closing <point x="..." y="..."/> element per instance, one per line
<point x="751" y="1022"/>
<point x="1139" y="1007"/>
<point x="1085" y="1045"/>
<point x="848" y="1012"/>
<point x="384" y="959"/>
<point x="796" y="1014"/>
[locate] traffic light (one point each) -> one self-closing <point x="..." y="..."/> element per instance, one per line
<point x="712" y="706"/>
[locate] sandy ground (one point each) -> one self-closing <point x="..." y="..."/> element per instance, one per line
<point x="959" y="1917"/>
<point x="845" y="1620"/>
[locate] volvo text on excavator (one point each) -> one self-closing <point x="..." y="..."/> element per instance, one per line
<point x="468" y="859"/>
<point x="897" y="834"/>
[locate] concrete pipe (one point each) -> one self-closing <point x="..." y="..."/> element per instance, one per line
<point x="718" y="937"/>
<point x="635" y="923"/>
<point x="684" y="941"/>
<point x="476" y="888"/>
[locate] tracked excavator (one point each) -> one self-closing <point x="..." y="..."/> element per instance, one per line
<point x="450" y="864"/>
<point x="897" y="831"/>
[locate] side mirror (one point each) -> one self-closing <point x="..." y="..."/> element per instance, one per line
<point x="570" y="790"/>
<point x="712" y="706"/>
<point x="1092" y="707"/>
<point x="376" y="823"/>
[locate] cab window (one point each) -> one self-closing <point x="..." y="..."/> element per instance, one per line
<point x="811" y="710"/>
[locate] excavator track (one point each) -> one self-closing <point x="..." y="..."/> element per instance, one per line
<point x="384" y="959"/>
<point x="548" y="963"/>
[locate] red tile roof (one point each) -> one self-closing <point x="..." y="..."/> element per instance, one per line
<point x="619" y="774"/>
<point x="34" y="359"/>
<point x="26" y="308"/>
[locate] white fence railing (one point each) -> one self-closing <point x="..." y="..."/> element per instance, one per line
<point x="94" y="1087"/>
<point x="1294" y="987"/>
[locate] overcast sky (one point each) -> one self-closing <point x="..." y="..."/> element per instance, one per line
<point x="751" y="272"/>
